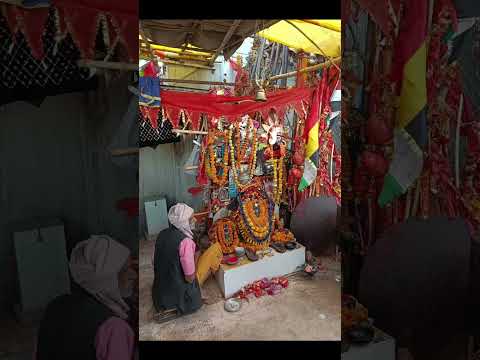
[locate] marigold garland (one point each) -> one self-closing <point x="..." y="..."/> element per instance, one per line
<point x="277" y="180"/>
<point x="224" y="231"/>
<point x="283" y="236"/>
<point x="255" y="227"/>
<point x="251" y="161"/>
<point x="211" y="162"/>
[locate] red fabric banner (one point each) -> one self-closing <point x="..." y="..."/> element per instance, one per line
<point x="231" y="107"/>
<point x="379" y="11"/>
<point x="81" y="19"/>
<point x="28" y="22"/>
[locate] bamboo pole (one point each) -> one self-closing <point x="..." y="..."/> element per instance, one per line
<point x="227" y="37"/>
<point x="107" y="65"/>
<point x="124" y="152"/>
<point x="176" y="56"/>
<point x="201" y="82"/>
<point x="307" y="69"/>
<point x="173" y="62"/>
<point x="201" y="213"/>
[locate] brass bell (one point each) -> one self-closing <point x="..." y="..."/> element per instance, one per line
<point x="260" y="95"/>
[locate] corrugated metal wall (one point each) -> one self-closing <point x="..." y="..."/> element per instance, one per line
<point x="161" y="170"/>
<point x="54" y="163"/>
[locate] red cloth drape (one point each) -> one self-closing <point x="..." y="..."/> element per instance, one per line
<point x="232" y="107"/>
<point x="379" y="11"/>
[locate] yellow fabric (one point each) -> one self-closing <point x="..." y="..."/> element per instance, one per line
<point x="312" y="144"/>
<point x="413" y="96"/>
<point x="209" y="261"/>
<point x="325" y="33"/>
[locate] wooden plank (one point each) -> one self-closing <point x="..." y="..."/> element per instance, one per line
<point x="225" y="40"/>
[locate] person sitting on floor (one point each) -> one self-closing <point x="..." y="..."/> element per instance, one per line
<point x="176" y="286"/>
<point x="90" y="323"/>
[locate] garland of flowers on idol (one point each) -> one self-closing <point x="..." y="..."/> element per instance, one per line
<point x="211" y="162"/>
<point x="251" y="161"/>
<point x="224" y="231"/>
<point x="242" y="144"/>
<point x="255" y="230"/>
<point x="277" y="179"/>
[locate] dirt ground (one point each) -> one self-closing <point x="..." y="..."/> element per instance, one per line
<point x="309" y="309"/>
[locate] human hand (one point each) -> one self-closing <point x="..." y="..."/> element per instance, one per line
<point x="190" y="278"/>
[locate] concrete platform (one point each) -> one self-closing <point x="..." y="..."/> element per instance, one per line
<point x="231" y="278"/>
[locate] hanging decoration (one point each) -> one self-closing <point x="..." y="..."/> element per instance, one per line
<point x="81" y="20"/>
<point x="231" y="107"/>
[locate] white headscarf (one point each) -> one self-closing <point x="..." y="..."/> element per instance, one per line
<point x="179" y="216"/>
<point x="95" y="264"/>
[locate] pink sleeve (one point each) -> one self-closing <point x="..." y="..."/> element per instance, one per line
<point x="115" y="340"/>
<point x="187" y="256"/>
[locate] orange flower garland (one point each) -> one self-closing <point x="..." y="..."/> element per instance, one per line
<point x="242" y="147"/>
<point x="277" y="179"/>
<point x="254" y="220"/>
<point x="224" y="231"/>
<point x="252" y="161"/>
<point x="282" y="235"/>
<point x="211" y="162"/>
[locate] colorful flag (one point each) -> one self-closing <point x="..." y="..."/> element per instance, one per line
<point x="410" y="74"/>
<point x="334" y="118"/>
<point x="311" y="133"/>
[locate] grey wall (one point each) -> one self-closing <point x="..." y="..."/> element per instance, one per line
<point x="162" y="175"/>
<point x="54" y="164"/>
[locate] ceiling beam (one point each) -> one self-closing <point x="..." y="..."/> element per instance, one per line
<point x="225" y="40"/>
